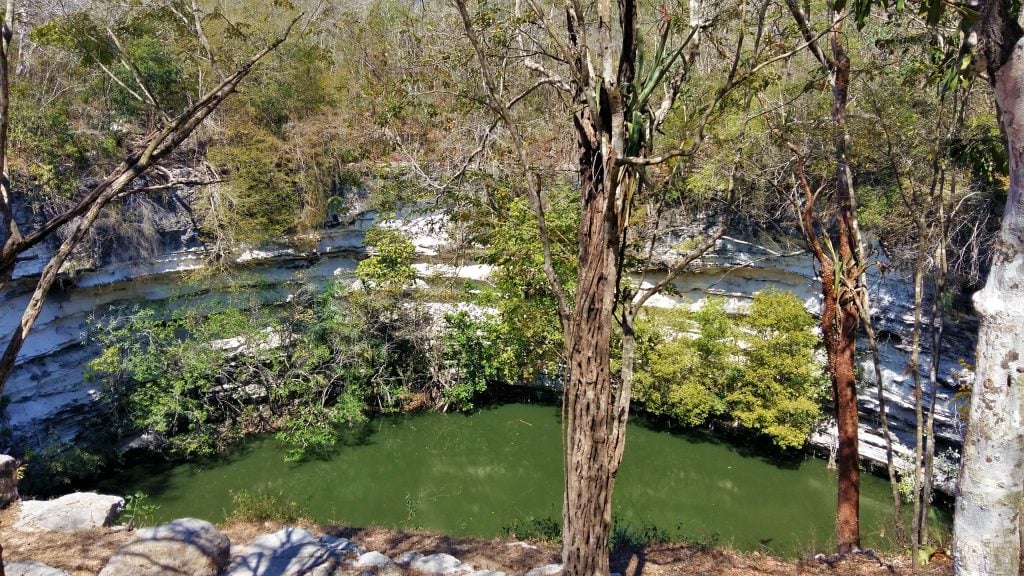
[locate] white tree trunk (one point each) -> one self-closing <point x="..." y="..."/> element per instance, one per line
<point x="987" y="524"/>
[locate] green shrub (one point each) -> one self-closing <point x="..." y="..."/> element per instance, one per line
<point x="263" y="506"/>
<point x="758" y="372"/>
<point x="138" y="510"/>
<point x="545" y="529"/>
<point x="626" y="537"/>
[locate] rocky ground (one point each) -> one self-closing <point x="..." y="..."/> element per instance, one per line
<point x="40" y="547"/>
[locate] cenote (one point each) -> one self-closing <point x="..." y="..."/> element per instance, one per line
<point x="474" y="475"/>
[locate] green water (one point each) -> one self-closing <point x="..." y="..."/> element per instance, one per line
<point x="475" y="474"/>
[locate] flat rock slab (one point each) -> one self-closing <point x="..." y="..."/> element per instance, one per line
<point x="439" y="564"/>
<point x="288" y="552"/>
<point x="32" y="568"/>
<point x="70" y="513"/>
<point x="183" y="546"/>
<point x="548" y="570"/>
<point x="486" y="573"/>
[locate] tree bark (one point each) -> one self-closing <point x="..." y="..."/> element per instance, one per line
<point x="589" y="472"/>
<point x="986" y="525"/>
<point x="839" y="323"/>
<point x="839" y="318"/>
<point x="841" y="329"/>
<point x="9" y="233"/>
<point x="841" y="271"/>
<point x="913" y="366"/>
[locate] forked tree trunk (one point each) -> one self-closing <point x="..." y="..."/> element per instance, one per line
<point x="986" y="527"/>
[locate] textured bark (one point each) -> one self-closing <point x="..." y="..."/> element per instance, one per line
<point x="8" y="227"/>
<point x="840" y="348"/>
<point x="913" y="366"/>
<point x="9" y="233"/>
<point x="841" y="272"/>
<point x="589" y="470"/>
<point x="986" y="526"/>
<point x="841" y="330"/>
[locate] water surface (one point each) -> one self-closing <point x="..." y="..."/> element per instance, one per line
<point x="473" y="475"/>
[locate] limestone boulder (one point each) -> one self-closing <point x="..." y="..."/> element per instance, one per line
<point x="547" y="570"/>
<point x="371" y="560"/>
<point x="184" y="546"/>
<point x="439" y="564"/>
<point x="70" y="513"/>
<point x="31" y="568"/>
<point x="288" y="552"/>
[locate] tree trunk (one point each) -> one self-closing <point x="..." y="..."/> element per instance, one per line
<point x="841" y="330"/>
<point x="913" y="366"/>
<point x="590" y="472"/>
<point x="883" y="416"/>
<point x="839" y="317"/>
<point x="986" y="525"/>
<point x="839" y="325"/>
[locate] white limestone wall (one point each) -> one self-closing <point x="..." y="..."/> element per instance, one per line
<point x="48" y="395"/>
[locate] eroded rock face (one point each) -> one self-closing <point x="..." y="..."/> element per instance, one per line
<point x="48" y="393"/>
<point x="184" y="546"/>
<point x="70" y="513"/>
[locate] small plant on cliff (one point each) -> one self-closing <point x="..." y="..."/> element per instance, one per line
<point x="138" y="510"/>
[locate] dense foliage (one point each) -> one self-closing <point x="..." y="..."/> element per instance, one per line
<point x="757" y="371"/>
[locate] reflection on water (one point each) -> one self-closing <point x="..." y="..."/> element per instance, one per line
<point x="475" y="474"/>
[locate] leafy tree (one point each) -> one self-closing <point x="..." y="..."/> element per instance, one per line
<point x="759" y="372"/>
<point x="780" y="384"/>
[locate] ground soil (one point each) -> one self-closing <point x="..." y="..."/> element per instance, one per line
<point x="85" y="553"/>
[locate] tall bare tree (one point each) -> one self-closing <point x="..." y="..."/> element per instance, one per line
<point x="594" y="54"/>
<point x="840" y="259"/>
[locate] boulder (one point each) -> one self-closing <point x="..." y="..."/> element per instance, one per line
<point x="371" y="560"/>
<point x="439" y="564"/>
<point x="184" y="546"/>
<point x="8" y="480"/>
<point x="340" y="547"/>
<point x="547" y="570"/>
<point x="290" y="551"/>
<point x="70" y="513"/>
<point x="486" y="573"/>
<point x="407" y="558"/>
<point x="32" y="568"/>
